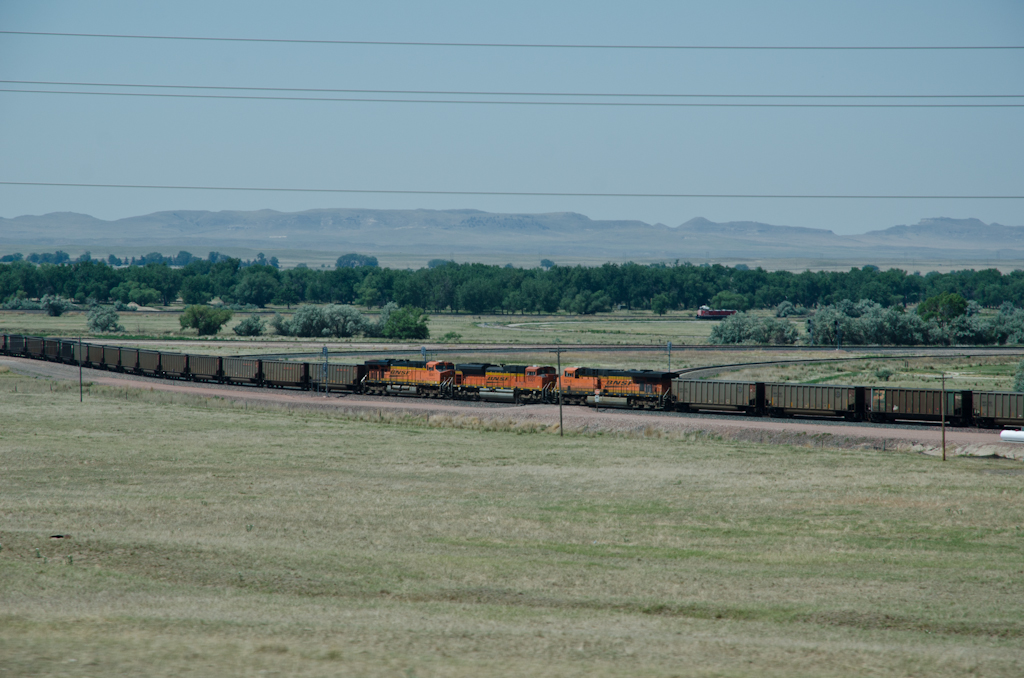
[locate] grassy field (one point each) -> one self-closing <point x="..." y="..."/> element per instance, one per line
<point x="212" y="540"/>
<point x="620" y="327"/>
<point x="983" y="373"/>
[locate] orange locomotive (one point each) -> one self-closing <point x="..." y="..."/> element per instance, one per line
<point x="578" y="384"/>
<point x="432" y="379"/>
<point x="506" y="383"/>
<point x="636" y="389"/>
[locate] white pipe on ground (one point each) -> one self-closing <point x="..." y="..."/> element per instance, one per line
<point x="1012" y="436"/>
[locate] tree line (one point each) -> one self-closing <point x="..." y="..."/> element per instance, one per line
<point x="480" y="288"/>
<point x="943" y="320"/>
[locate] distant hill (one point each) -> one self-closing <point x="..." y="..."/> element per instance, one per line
<point x="466" y="234"/>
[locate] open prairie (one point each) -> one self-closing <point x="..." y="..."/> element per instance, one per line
<point x="199" y="537"/>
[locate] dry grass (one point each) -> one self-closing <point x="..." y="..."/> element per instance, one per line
<point x="983" y="373"/>
<point x="219" y="541"/>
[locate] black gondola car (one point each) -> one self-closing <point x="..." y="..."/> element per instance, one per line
<point x="691" y="395"/>
<point x="51" y="349"/>
<point x="339" y="377"/>
<point x="204" y="367"/>
<point x="285" y="374"/>
<point x="112" y="357"/>
<point x="998" y="408"/>
<point x="15" y="344"/>
<point x="67" y="351"/>
<point x="919" y="404"/>
<point x="34" y="347"/>
<point x="816" y="400"/>
<point x="174" y="365"/>
<point x="149" y="362"/>
<point x="240" y="370"/>
<point x="94" y="355"/>
<point x="129" y="359"/>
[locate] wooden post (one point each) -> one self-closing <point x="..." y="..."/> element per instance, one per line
<point x="561" y="427"/>
<point x="942" y="409"/>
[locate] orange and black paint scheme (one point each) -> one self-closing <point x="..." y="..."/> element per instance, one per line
<point x="507" y="383"/>
<point x="642" y="389"/>
<point x="578" y="384"/>
<point x="431" y="379"/>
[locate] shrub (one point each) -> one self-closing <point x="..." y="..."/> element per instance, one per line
<point x="785" y="309"/>
<point x="321" y="321"/>
<point x="55" y="305"/>
<point x="104" y="319"/>
<point x="406" y="323"/>
<point x="252" y="326"/>
<point x="883" y="374"/>
<point x="451" y="338"/>
<point x="743" y="328"/>
<point x="204" y="319"/>
<point x="19" y="302"/>
<point x="1018" y="378"/>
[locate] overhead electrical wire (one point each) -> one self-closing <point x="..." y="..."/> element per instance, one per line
<point x="541" y="194"/>
<point x="643" y="95"/>
<point x="506" y="102"/>
<point x="517" y="45"/>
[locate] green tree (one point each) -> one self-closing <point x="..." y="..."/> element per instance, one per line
<point x="204" y="319"/>
<point x="196" y="289"/>
<point x="661" y="303"/>
<point x="355" y="261"/>
<point x="258" y="286"/>
<point x="729" y="300"/>
<point x="943" y="308"/>
<point x="407" y="323"/>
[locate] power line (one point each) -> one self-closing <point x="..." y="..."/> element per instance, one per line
<point x="541" y="194"/>
<point x="495" y="102"/>
<point x="702" y="95"/>
<point x="399" y="43"/>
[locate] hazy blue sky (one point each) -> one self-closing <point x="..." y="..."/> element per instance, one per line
<point x="45" y="137"/>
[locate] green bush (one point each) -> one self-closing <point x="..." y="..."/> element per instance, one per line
<point x="321" y="321"/>
<point x="55" y="305"/>
<point x="204" y="319"/>
<point x="743" y="328"/>
<point x="104" y="319"/>
<point x="252" y="326"/>
<point x="406" y="323"/>
<point x="451" y="338"/>
<point x="1018" y="378"/>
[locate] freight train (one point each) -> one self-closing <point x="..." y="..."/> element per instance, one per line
<point x="523" y="384"/>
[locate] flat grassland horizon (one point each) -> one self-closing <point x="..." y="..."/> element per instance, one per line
<point x="206" y="539"/>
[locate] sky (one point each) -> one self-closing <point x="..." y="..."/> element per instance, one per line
<point x="415" y="146"/>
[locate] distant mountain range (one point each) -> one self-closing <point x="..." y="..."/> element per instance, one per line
<point x="469" y="234"/>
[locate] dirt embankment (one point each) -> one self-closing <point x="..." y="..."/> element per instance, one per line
<point x="922" y="439"/>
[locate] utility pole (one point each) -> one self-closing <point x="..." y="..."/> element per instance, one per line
<point x="327" y="390"/>
<point x="561" y="428"/>
<point x="942" y="409"/>
<point x="80" y="389"/>
<point x="670" y="356"/>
